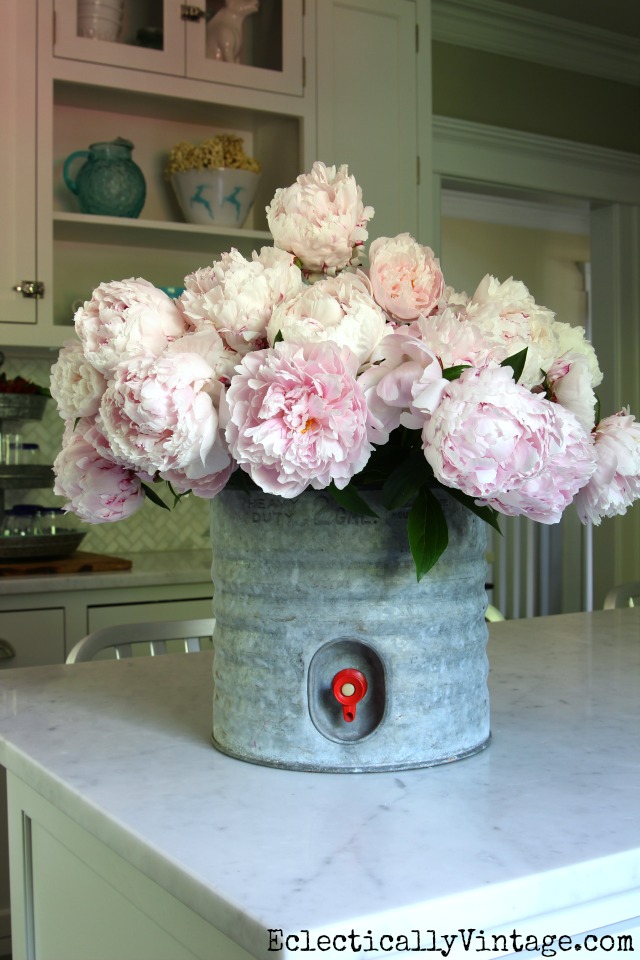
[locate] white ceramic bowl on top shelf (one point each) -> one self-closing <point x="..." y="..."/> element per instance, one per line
<point x="216" y="198"/>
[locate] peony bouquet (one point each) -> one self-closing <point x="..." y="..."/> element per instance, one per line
<point x="299" y="368"/>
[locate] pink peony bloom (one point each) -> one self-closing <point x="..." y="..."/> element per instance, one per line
<point x="97" y="489"/>
<point x="570" y="464"/>
<point x="160" y="414"/>
<point x="76" y="385"/>
<point x="298" y="418"/>
<point x="455" y="340"/>
<point x="340" y="309"/>
<point x="406" y="277"/>
<point x="126" y="318"/>
<point x="615" y="485"/>
<point x="489" y="435"/>
<point x="402" y="385"/>
<point x="197" y="480"/>
<point x="237" y="296"/>
<point x="320" y="219"/>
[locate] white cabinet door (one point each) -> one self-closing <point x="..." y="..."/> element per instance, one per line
<point x="270" y="56"/>
<point x="143" y="18"/>
<point x="17" y="161"/>
<point x="31" y="638"/>
<point x="367" y="104"/>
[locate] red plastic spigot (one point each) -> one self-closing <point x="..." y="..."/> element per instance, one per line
<point x="349" y="687"/>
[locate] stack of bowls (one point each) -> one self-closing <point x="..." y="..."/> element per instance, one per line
<point x="100" y="19"/>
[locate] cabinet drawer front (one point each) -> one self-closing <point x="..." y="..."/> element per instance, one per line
<point x="108" y="616"/>
<point x="35" y="637"/>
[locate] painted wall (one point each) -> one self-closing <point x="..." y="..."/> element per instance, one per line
<point x="505" y="92"/>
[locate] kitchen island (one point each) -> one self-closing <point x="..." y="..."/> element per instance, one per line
<point x="132" y="837"/>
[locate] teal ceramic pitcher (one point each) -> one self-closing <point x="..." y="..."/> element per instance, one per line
<point x="109" y="183"/>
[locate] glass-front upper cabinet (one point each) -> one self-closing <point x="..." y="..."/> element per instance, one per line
<point x="246" y="43"/>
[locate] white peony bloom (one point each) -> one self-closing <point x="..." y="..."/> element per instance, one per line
<point x="572" y="340"/>
<point x="237" y="296"/>
<point x="340" y="309"/>
<point x="509" y="318"/>
<point x="126" y="318"/>
<point x="76" y="385"/>
<point x="320" y="219"/>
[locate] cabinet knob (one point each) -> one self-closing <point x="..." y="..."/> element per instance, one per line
<point x="192" y="13"/>
<point x="30" y="288"/>
<point x="7" y="651"/>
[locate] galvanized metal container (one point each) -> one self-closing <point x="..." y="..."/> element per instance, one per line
<point x="303" y="590"/>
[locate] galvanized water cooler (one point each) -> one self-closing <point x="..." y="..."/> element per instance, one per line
<point x="328" y="654"/>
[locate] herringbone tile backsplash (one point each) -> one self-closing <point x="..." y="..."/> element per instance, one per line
<point x="150" y="529"/>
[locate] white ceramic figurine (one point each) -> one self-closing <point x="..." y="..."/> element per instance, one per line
<point x="224" y="30"/>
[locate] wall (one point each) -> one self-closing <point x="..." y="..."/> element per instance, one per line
<point x="505" y="92"/>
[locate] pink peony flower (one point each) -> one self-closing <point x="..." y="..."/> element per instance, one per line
<point x="76" y="385"/>
<point x="237" y="296"/>
<point x="570" y="464"/>
<point x="340" y="309"/>
<point x="160" y="414"/>
<point x="298" y="418"/>
<point x="196" y="479"/>
<point x="320" y="218"/>
<point x="126" y="318"/>
<point x="455" y="340"/>
<point x="615" y="485"/>
<point x="97" y="489"/>
<point x="490" y="434"/>
<point x="402" y="385"/>
<point x="406" y="277"/>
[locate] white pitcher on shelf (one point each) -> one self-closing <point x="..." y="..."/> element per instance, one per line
<point x="224" y="30"/>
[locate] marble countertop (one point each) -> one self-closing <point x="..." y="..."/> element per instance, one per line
<point x="148" y="569"/>
<point x="544" y="822"/>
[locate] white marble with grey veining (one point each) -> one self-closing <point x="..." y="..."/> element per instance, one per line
<point x="547" y="819"/>
<point x="148" y="569"/>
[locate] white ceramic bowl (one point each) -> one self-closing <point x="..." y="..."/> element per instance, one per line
<point x="216" y="198"/>
<point x="101" y="8"/>
<point x="98" y="28"/>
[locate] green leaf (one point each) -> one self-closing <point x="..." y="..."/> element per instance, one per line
<point x="350" y="499"/>
<point x="516" y="362"/>
<point x="153" y="496"/>
<point x="452" y="373"/>
<point x="597" y="410"/>
<point x="486" y="513"/>
<point x="428" y="533"/>
<point x="278" y="338"/>
<point x="405" y="481"/>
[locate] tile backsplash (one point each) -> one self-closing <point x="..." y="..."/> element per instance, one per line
<point x="151" y="528"/>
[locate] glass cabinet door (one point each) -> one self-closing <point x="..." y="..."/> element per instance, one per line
<point x="137" y="34"/>
<point x="248" y="43"/>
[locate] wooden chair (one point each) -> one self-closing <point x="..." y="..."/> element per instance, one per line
<point x="121" y="638"/>
<point x="624" y="595"/>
